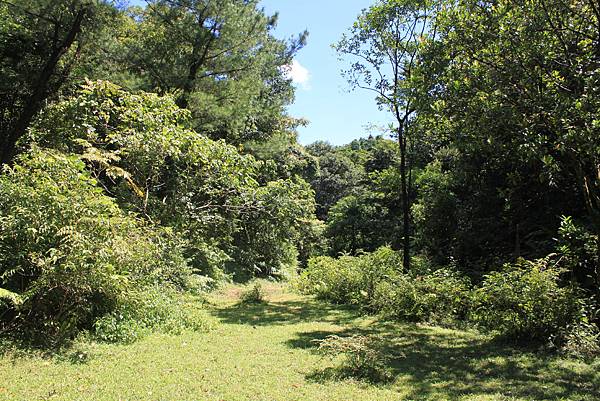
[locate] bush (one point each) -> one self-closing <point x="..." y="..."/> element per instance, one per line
<point x="142" y="149"/>
<point x="581" y="341"/>
<point x="525" y="301"/>
<point x="440" y="296"/>
<point x="253" y="295"/>
<point x="68" y="253"/>
<point x="375" y="282"/>
<point x="579" y="248"/>
<point x="151" y="309"/>
<point x="335" y="280"/>
<point x="363" y="359"/>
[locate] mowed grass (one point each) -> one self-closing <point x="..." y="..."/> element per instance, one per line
<point x="266" y="352"/>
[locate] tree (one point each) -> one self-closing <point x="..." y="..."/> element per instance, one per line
<point x="383" y="44"/>
<point x="40" y="42"/>
<point x="517" y="82"/>
<point x="338" y="176"/>
<point x="141" y="150"/>
<point x="218" y="59"/>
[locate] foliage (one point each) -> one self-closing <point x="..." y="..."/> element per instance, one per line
<point x="383" y="45"/>
<point x="435" y="213"/>
<point x="151" y="309"/>
<point x="68" y="252"/>
<point x="266" y="243"/>
<point x="582" y="341"/>
<point x="363" y="359"/>
<point x="440" y="296"/>
<point x="511" y="92"/>
<point x="254" y="294"/>
<point x="141" y="149"/>
<point x="336" y="177"/>
<point x="578" y="246"/>
<point x="376" y="283"/>
<point x="40" y="41"/>
<point x="526" y="302"/>
<point x="284" y="157"/>
<point x="356" y="193"/>
<point x="219" y="59"/>
<point x="335" y="280"/>
<point x="360" y="222"/>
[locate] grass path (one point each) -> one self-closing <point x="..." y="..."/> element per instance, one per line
<point x="266" y="352"/>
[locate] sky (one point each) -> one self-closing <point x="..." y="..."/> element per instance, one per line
<point x="323" y="96"/>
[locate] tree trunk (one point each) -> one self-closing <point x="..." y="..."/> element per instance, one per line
<point x="405" y="200"/>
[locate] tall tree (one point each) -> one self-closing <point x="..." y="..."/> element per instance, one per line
<point x="522" y="80"/>
<point x="383" y="45"/>
<point x="40" y="41"/>
<point x="218" y="58"/>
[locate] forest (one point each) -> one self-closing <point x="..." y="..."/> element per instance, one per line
<point x="155" y="195"/>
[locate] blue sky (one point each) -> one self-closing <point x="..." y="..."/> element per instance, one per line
<point x="322" y="96"/>
<point x="335" y="114"/>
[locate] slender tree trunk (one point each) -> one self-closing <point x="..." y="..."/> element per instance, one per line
<point x="405" y="200"/>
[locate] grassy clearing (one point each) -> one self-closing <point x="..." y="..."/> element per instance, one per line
<point x="265" y="351"/>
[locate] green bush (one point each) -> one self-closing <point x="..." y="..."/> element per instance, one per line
<point x="150" y="309"/>
<point x="525" y="301"/>
<point x="335" y="280"/>
<point x="440" y="296"/>
<point x="349" y="279"/>
<point x="364" y="358"/>
<point x="68" y="253"/>
<point x="141" y="147"/>
<point x="582" y="340"/>
<point x="254" y="294"/>
<point x="375" y="282"/>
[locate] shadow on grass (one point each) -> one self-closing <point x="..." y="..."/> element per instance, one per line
<point x="66" y="352"/>
<point x="435" y="363"/>
<point x="432" y="363"/>
<point x="284" y="313"/>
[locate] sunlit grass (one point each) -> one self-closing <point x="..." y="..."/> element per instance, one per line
<point x="266" y="351"/>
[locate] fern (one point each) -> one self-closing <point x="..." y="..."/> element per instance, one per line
<point x="10" y="298"/>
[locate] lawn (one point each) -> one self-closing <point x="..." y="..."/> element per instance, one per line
<point x="266" y="352"/>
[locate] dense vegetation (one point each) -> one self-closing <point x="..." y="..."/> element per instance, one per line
<point x="116" y="201"/>
<point x="148" y="157"/>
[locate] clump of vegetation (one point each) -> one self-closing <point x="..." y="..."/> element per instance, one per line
<point x="375" y="282"/>
<point x="581" y="341"/>
<point x="253" y="294"/>
<point x="526" y="301"/>
<point x="362" y="357"/>
<point x="69" y="255"/>
<point x="157" y="309"/>
<point x="441" y="296"/>
<point x="348" y="279"/>
<point x="142" y="149"/>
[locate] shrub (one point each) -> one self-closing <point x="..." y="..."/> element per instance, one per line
<point x="440" y="296"/>
<point x="69" y="253"/>
<point x="581" y="341"/>
<point x="253" y="295"/>
<point x="335" y="280"/>
<point x="579" y="248"/>
<point x="375" y="282"/>
<point x="349" y="279"/>
<point x="363" y="359"/>
<point x="142" y="149"/>
<point x="524" y="301"/>
<point x="151" y="309"/>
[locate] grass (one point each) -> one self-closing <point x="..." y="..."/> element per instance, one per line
<point x="265" y="351"/>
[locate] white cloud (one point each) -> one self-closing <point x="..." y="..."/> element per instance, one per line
<point x="298" y="74"/>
